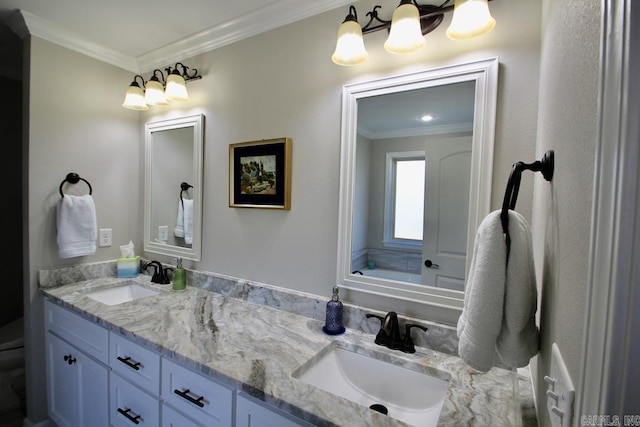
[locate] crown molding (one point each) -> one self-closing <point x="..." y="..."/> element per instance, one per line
<point x="257" y="21"/>
<point x="55" y="34"/>
<point x="417" y="131"/>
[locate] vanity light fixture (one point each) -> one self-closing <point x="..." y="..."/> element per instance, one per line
<point x="410" y="22"/>
<point x="159" y="90"/>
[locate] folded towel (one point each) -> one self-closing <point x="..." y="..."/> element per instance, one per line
<point x="77" y="226"/>
<point x="498" y="319"/>
<point x="188" y="221"/>
<point x="178" y="231"/>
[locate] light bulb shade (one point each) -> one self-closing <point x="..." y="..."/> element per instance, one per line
<point x="471" y="18"/>
<point x="350" y="45"/>
<point x="176" y="88"/>
<point x="405" y="35"/>
<point x="154" y="93"/>
<point x="134" y="98"/>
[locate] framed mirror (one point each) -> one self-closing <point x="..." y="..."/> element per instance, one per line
<point x="416" y="168"/>
<point x="173" y="187"/>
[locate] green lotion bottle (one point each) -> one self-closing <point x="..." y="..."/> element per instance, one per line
<point x="179" y="277"/>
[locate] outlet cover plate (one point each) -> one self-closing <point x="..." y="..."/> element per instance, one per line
<point x="560" y="412"/>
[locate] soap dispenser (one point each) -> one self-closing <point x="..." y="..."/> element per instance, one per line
<point x="333" y="323"/>
<point x="179" y="277"/>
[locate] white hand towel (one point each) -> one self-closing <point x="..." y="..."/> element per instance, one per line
<point x="498" y="319"/>
<point x="178" y="231"/>
<point x="77" y="226"/>
<point x="188" y="221"/>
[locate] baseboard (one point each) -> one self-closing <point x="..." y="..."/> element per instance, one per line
<point x="43" y="423"/>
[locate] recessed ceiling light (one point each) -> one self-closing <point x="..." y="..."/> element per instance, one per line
<point x="427" y="117"/>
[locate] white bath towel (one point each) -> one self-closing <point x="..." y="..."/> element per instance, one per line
<point x="188" y="221"/>
<point x="178" y="231"/>
<point x="184" y="223"/>
<point x="498" y="319"/>
<point x="77" y="226"/>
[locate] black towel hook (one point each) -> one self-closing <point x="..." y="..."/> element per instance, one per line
<point x="74" y="178"/>
<point x="184" y="187"/>
<point x="545" y="165"/>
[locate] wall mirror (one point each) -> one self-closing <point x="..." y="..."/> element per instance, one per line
<point x="416" y="167"/>
<point x="173" y="187"/>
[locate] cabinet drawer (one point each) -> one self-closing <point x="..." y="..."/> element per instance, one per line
<point x="252" y="413"/>
<point x="93" y="339"/>
<point x="173" y="418"/>
<point x="135" y="363"/>
<point x="199" y="397"/>
<point x="131" y="406"/>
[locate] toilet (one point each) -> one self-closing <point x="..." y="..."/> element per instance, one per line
<point x="11" y="365"/>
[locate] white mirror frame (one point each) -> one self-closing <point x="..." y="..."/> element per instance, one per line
<point x="485" y="75"/>
<point x="194" y="252"/>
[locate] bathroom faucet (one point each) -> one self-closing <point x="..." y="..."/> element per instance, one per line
<point x="159" y="274"/>
<point x="389" y="333"/>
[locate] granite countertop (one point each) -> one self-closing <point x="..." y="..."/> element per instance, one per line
<point x="256" y="348"/>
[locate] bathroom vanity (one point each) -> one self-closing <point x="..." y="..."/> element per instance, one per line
<point x="197" y="357"/>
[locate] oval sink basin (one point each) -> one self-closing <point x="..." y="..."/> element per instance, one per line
<point x="121" y="294"/>
<point x="413" y="397"/>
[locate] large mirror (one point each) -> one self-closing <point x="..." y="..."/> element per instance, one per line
<point x="173" y="187"/>
<point x="417" y="154"/>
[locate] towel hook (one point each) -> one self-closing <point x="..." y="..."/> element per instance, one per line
<point x="545" y="165"/>
<point x="184" y="187"/>
<point x="74" y="178"/>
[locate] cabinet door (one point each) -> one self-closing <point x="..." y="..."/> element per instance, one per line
<point x="250" y="413"/>
<point x="77" y="386"/>
<point x="173" y="418"/>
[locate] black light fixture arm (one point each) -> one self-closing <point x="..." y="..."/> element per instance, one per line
<point x="155" y="77"/>
<point x="186" y="75"/>
<point x="135" y="83"/>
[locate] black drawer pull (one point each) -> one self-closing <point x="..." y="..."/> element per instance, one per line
<point x="185" y="395"/>
<point x="130" y="362"/>
<point x="127" y="413"/>
<point x="69" y="359"/>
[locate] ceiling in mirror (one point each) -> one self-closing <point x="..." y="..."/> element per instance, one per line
<point x="414" y="191"/>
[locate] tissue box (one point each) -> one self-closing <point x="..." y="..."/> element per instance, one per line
<point x="129" y="267"/>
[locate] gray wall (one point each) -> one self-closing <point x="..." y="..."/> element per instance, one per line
<point x="561" y="227"/>
<point x="281" y="83"/>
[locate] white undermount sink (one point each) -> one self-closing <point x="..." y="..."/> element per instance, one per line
<point x="121" y="294"/>
<point x="413" y="397"/>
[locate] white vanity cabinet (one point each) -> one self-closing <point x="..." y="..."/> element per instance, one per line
<point x="97" y="377"/>
<point x="77" y="375"/>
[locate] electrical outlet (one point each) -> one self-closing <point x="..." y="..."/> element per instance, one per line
<point x="105" y="237"/>
<point x="163" y="233"/>
<point x="560" y="392"/>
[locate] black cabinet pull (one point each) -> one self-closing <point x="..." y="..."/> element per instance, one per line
<point x="69" y="359"/>
<point x="127" y="413"/>
<point x="130" y="362"/>
<point x="185" y="395"/>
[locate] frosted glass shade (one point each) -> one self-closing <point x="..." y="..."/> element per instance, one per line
<point x="471" y="18"/>
<point x="405" y="35"/>
<point x="134" y="98"/>
<point x="350" y="45"/>
<point x="176" y="88"/>
<point x="154" y="93"/>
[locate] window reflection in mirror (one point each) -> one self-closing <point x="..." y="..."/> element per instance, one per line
<point x="415" y="188"/>
<point x="173" y="218"/>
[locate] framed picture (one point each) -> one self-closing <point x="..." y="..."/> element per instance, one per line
<point x="260" y="174"/>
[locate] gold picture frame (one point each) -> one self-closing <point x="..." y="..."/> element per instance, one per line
<point x="260" y="174"/>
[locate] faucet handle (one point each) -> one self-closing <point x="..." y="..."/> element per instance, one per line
<point x="165" y="276"/>
<point x="407" y="345"/>
<point x="381" y="336"/>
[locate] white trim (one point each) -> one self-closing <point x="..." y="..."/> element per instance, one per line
<point x="615" y="244"/>
<point x="485" y="74"/>
<point x="418" y="131"/>
<point x="258" y="21"/>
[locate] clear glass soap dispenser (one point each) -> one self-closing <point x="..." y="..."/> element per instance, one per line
<point x="333" y="323"/>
